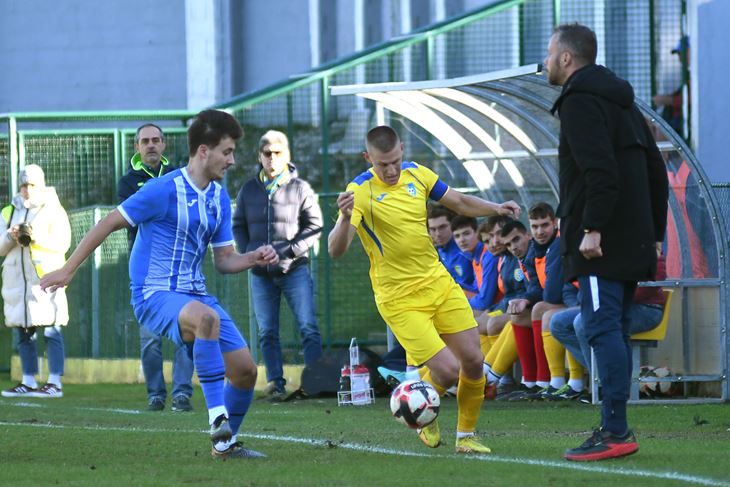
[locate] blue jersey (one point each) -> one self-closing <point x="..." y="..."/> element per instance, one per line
<point x="177" y="221"/>
<point x="458" y="265"/>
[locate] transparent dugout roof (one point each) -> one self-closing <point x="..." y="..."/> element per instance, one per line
<point x="496" y="131"/>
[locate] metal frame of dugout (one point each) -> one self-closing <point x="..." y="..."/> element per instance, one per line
<point x="498" y="128"/>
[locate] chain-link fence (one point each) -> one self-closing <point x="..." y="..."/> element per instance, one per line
<point x="85" y="154"/>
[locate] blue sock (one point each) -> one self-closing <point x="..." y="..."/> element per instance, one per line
<point x="237" y="404"/>
<point x="208" y="361"/>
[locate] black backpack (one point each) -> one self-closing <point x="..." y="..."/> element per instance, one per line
<point x="322" y="377"/>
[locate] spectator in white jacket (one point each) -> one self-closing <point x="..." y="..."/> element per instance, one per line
<point x="36" y="237"/>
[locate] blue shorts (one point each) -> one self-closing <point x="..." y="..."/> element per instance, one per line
<point x="159" y="314"/>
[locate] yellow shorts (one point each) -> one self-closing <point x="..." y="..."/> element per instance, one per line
<point x="418" y="319"/>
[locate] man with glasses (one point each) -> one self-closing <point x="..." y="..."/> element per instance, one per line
<point x="149" y="163"/>
<point x="276" y="207"/>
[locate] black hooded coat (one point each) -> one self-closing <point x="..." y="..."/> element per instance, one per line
<point x="612" y="178"/>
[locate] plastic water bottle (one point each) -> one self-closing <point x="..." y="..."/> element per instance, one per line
<point x="345" y="383"/>
<point x="360" y="380"/>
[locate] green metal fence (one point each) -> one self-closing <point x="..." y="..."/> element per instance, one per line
<point x="84" y="154"/>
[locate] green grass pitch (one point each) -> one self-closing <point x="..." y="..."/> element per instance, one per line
<point x="101" y="435"/>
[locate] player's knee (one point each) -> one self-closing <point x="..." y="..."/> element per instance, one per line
<point x="539" y="309"/>
<point x="209" y="325"/>
<point x="244" y="377"/>
<point x="445" y="373"/>
<point x="450" y="375"/>
<point x="494" y="327"/>
<point x="472" y="362"/>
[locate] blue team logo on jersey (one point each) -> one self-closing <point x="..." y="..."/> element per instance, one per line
<point x="519" y="275"/>
<point x="380" y="197"/>
<point x="411" y="189"/>
<point x="459" y="271"/>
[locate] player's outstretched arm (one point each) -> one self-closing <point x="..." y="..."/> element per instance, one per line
<point x="228" y="261"/>
<point x="341" y="236"/>
<point x="468" y="205"/>
<point x="94" y="237"/>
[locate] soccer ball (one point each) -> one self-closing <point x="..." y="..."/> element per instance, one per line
<point x="651" y="388"/>
<point x="415" y="403"/>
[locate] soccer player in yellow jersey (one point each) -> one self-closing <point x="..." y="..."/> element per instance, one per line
<point x="414" y="293"/>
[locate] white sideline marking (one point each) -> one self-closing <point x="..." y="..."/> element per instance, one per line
<point x="114" y="410"/>
<point x="38" y="405"/>
<point x="565" y="465"/>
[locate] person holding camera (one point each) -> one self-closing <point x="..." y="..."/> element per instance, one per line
<point x="37" y="236"/>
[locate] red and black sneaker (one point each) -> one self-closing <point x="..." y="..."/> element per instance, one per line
<point x="602" y="446"/>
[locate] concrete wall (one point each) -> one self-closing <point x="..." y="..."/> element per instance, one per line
<point x="174" y="54"/>
<point x="275" y="41"/>
<point x="89" y="55"/>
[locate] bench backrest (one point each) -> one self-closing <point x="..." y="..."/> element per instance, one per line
<point x="660" y="332"/>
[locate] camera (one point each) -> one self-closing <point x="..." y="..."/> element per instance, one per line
<point x="24" y="234"/>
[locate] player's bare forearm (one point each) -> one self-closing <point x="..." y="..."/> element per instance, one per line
<point x="228" y="261"/>
<point x="60" y="278"/>
<point x="340" y="237"/>
<point x="468" y="205"/>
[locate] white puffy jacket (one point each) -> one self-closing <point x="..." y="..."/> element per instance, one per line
<point x="25" y="304"/>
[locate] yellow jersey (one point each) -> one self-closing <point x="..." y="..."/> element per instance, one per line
<point x="391" y="224"/>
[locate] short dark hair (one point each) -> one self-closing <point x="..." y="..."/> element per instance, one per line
<point x="382" y="138"/>
<point x="209" y="127"/>
<point x="461" y="221"/>
<point x="541" y="210"/>
<point x="491" y="222"/>
<point x="136" y="136"/>
<point x="579" y="40"/>
<point x="512" y="225"/>
<point x="437" y="211"/>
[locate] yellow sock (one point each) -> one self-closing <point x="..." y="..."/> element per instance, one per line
<point x="498" y="341"/>
<point x="484" y="344"/>
<point x="507" y="355"/>
<point x="426" y="377"/>
<point x="555" y="354"/>
<point x="576" y="369"/>
<point x="469" y="398"/>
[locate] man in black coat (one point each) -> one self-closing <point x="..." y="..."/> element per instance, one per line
<point x="277" y="207"/>
<point x="148" y="162"/>
<point x="613" y="210"/>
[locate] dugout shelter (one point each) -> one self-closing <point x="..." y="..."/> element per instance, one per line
<point x="494" y="132"/>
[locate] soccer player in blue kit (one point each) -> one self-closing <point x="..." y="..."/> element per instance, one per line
<point x="178" y="216"/>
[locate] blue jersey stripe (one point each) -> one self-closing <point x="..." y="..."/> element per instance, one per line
<point x="366" y="176"/>
<point x="408" y="165"/>
<point x="373" y="236"/>
<point x="178" y="248"/>
<point x="177" y="221"/>
<point x="438" y="191"/>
